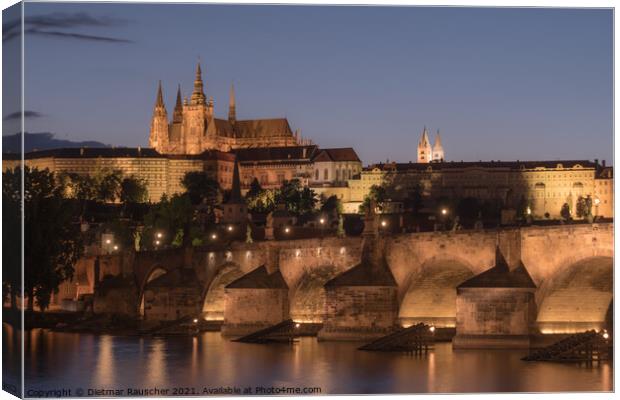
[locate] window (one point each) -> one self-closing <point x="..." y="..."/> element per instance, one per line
<point x="325" y="174"/>
<point x="316" y="175"/>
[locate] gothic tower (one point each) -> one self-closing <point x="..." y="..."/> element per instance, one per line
<point x="177" y="116"/>
<point x="158" y="138"/>
<point x="438" y="154"/>
<point x="425" y="151"/>
<point x="195" y="117"/>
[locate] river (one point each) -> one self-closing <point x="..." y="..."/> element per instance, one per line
<point x="208" y="364"/>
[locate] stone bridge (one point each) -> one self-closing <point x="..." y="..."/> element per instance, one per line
<point x="571" y="265"/>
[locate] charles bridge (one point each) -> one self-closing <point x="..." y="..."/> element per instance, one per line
<point x="570" y="268"/>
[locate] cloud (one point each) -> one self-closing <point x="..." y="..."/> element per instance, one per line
<point x="39" y="25"/>
<point x="78" y="36"/>
<point x="27" y="114"/>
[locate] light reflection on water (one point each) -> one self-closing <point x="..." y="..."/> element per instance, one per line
<point x="55" y="360"/>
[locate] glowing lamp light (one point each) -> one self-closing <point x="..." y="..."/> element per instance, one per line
<point x="597" y="201"/>
<point x="195" y="320"/>
<point x="605" y="335"/>
<point x="297" y="325"/>
<point x="115" y="247"/>
<point x="157" y="242"/>
<point x="214" y="236"/>
<point x="322" y="221"/>
<point x="108" y="241"/>
<point x="444" y="211"/>
<point x="528" y="211"/>
<point x="230" y="228"/>
<point x="159" y="235"/>
<point x="432" y="329"/>
<point x="287" y="229"/>
<point x="384" y="223"/>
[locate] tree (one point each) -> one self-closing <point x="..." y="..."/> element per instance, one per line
<point x="468" y="208"/>
<point x="174" y="218"/>
<point x="565" y="211"/>
<point x="108" y="185"/>
<point x="263" y="201"/>
<point x="332" y="206"/>
<point x="298" y="200"/>
<point x="11" y="225"/>
<point x="414" y="201"/>
<point x="201" y="188"/>
<point x="378" y="195"/>
<point x="51" y="234"/>
<point x="255" y="189"/>
<point x="583" y="208"/>
<point x="133" y="190"/>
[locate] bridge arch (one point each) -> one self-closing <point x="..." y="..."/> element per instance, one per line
<point x="307" y="298"/>
<point x="155" y="272"/>
<point x="577" y="297"/>
<point x="430" y="295"/>
<point x="213" y="297"/>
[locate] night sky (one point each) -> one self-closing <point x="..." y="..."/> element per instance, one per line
<point x="500" y="84"/>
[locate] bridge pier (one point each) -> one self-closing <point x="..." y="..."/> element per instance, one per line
<point x="495" y="309"/>
<point x="255" y="301"/>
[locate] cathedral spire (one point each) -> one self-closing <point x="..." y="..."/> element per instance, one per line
<point x="198" y="96"/>
<point x="232" y="111"/>
<point x="178" y="108"/>
<point x="425" y="151"/>
<point x="159" y="102"/>
<point x="438" y="153"/>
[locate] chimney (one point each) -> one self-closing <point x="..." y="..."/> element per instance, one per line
<point x="596" y="161"/>
<point x="603" y="163"/>
<point x="81" y="151"/>
<point x="304" y="152"/>
<point x="139" y="150"/>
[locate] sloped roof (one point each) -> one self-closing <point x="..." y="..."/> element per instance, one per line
<point x="341" y="154"/>
<point x="500" y="276"/>
<point x="224" y="128"/>
<point x="290" y="153"/>
<point x="259" y="278"/>
<point x="91" y="152"/>
<point x="446" y="165"/>
<point x="364" y="274"/>
<point x="263" y="128"/>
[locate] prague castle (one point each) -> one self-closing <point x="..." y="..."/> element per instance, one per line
<point x="267" y="150"/>
<point x="194" y="127"/>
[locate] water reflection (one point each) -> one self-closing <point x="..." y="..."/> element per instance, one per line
<point x="55" y="360"/>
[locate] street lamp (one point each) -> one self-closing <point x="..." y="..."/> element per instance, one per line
<point x="432" y="329"/>
<point x="213" y="236"/>
<point x="383" y="223"/>
<point x="159" y="235"/>
<point x="322" y="221"/>
<point x="444" y="213"/>
<point x="115" y="247"/>
<point x="230" y="228"/>
<point x="287" y="229"/>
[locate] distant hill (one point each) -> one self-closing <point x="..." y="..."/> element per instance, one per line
<point x="41" y="141"/>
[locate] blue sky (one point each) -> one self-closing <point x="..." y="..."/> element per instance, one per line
<point x="501" y="84"/>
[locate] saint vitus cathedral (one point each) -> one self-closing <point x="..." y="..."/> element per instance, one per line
<point x="194" y="127"/>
